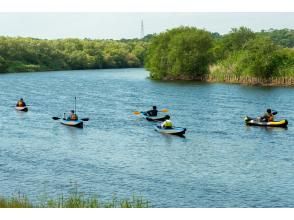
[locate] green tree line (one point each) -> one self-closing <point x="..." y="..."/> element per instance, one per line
<point x="19" y="54"/>
<point x="191" y="53"/>
<point x="180" y="53"/>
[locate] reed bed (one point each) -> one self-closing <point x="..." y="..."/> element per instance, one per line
<point x="249" y="80"/>
<point x="73" y="200"/>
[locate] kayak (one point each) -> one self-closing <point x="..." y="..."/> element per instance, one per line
<point x="173" y="130"/>
<point x="255" y="122"/>
<point x="77" y="123"/>
<point x="153" y="118"/>
<point x="21" y="109"/>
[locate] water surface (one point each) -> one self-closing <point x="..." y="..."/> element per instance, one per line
<point x="220" y="163"/>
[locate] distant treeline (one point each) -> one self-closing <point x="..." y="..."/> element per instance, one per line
<point x="18" y="54"/>
<point x="191" y="53"/>
<point x="180" y="53"/>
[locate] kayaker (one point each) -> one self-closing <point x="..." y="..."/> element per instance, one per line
<point x="268" y="116"/>
<point x="21" y="103"/>
<point x="72" y="116"/>
<point x="167" y="123"/>
<point x="152" y="112"/>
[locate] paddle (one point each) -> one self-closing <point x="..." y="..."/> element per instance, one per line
<point x="138" y="113"/>
<point x="83" y="119"/>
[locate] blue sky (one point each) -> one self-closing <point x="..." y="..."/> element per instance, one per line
<point x="127" y="25"/>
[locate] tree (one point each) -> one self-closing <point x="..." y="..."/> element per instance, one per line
<point x="261" y="59"/>
<point x="183" y="52"/>
<point x="3" y="65"/>
<point x="283" y="37"/>
<point x="28" y="54"/>
<point x="233" y="41"/>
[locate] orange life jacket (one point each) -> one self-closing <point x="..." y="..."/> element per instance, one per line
<point x="271" y="117"/>
<point x="73" y="117"/>
<point x="20" y="104"/>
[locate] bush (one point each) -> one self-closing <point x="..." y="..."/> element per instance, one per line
<point x="180" y="53"/>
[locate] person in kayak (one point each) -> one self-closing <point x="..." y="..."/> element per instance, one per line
<point x="152" y="112"/>
<point x="167" y="124"/>
<point x="268" y="116"/>
<point x="72" y="116"/>
<point x="21" y="103"/>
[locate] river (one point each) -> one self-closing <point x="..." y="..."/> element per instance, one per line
<point x="220" y="163"/>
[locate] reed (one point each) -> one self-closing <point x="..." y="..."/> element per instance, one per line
<point x="73" y="200"/>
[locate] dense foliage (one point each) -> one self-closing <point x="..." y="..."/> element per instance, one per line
<point x="181" y="52"/>
<point x="189" y="53"/>
<point x="283" y="37"/>
<point x="245" y="53"/>
<point x="28" y="54"/>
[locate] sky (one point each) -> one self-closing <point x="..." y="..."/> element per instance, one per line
<point x="103" y="25"/>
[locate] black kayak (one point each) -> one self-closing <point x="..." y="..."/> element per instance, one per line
<point x="256" y="122"/>
<point x="154" y="118"/>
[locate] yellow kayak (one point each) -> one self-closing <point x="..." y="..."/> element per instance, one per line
<point x="255" y="122"/>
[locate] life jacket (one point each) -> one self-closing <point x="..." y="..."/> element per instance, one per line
<point x="167" y="124"/>
<point x="152" y="112"/>
<point x="73" y="117"/>
<point x="20" y="104"/>
<point x="270" y="117"/>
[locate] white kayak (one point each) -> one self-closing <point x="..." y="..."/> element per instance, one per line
<point x="173" y="130"/>
<point x="21" y="109"/>
<point x="77" y="123"/>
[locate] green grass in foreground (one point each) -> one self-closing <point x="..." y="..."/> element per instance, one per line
<point x="74" y="200"/>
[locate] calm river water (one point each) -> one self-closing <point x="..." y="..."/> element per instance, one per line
<point x="220" y="163"/>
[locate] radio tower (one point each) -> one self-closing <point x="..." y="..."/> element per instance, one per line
<point x="142" y="29"/>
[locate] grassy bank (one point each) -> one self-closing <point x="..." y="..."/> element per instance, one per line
<point x="232" y="77"/>
<point x="74" y="200"/>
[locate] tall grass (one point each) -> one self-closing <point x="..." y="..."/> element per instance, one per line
<point x="73" y="200"/>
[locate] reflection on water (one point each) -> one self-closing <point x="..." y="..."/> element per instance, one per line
<point x="220" y="163"/>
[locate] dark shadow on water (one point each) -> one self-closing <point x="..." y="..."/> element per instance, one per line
<point x="170" y="136"/>
<point x="72" y="132"/>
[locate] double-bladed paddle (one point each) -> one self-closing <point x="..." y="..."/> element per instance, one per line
<point x="138" y="113"/>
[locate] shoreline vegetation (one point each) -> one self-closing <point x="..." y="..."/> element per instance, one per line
<point x="245" y="80"/>
<point x="185" y="53"/>
<point x="24" y="54"/>
<point x="73" y="200"/>
<point x="241" y="56"/>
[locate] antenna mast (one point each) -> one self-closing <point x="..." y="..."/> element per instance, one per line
<point x="142" y="29"/>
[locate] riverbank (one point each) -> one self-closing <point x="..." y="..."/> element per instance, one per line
<point x="245" y="80"/>
<point x="254" y="81"/>
<point x="74" y="200"/>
